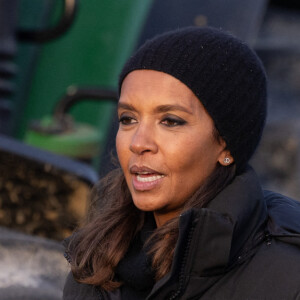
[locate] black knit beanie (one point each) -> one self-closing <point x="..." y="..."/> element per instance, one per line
<point x="223" y="72"/>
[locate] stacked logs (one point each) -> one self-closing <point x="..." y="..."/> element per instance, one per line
<point x="38" y="199"/>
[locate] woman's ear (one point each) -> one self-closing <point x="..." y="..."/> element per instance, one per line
<point x="225" y="158"/>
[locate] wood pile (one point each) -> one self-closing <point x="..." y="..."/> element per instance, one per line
<point x="38" y="199"/>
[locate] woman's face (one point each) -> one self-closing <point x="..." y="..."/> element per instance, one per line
<point x="165" y="142"/>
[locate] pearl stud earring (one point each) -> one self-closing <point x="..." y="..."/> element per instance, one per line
<point x="226" y="160"/>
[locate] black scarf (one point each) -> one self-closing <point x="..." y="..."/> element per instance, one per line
<point x="134" y="270"/>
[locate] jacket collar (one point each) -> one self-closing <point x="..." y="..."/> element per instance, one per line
<point x="227" y="230"/>
<point x="241" y="202"/>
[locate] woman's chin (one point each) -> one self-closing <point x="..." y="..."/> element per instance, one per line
<point x="143" y="205"/>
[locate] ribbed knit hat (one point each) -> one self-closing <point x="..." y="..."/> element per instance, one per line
<point x="222" y="71"/>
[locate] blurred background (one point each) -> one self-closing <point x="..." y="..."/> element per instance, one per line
<point x="59" y="66"/>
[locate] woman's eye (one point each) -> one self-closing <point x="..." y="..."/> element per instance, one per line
<point x="126" y="120"/>
<point x="172" y="122"/>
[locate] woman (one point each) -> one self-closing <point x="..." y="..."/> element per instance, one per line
<point x="185" y="217"/>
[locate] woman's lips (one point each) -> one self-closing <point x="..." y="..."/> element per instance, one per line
<point x="145" y="178"/>
<point x="150" y="178"/>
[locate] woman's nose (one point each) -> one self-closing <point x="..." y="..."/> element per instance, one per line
<point x="143" y="141"/>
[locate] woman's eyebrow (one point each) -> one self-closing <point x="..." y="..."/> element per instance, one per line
<point x="126" y="106"/>
<point x="158" y="109"/>
<point x="172" y="107"/>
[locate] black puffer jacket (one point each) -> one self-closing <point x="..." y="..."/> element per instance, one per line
<point x="244" y="245"/>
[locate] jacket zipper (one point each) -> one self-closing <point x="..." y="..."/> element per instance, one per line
<point x="176" y="293"/>
<point x="67" y="257"/>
